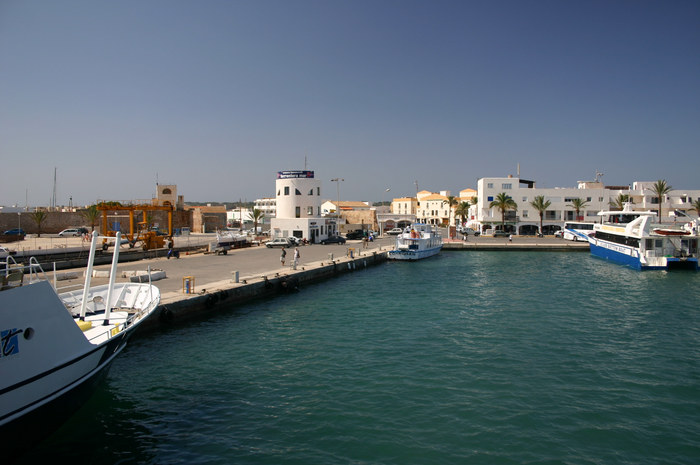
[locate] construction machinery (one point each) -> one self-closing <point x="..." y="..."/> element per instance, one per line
<point x="139" y="233"/>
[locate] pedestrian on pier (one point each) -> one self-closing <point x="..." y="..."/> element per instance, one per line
<point x="297" y="256"/>
<point x="283" y="256"/>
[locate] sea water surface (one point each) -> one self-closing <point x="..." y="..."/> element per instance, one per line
<point x="464" y="358"/>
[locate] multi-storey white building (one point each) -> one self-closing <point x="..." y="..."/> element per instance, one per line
<point x="298" y="202"/>
<point x="595" y="195"/>
<point x="267" y="205"/>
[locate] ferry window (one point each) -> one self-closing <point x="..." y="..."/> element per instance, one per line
<point x="298" y="212"/>
<point x="286" y="190"/>
<point x="649" y="244"/>
<point x="658" y="243"/>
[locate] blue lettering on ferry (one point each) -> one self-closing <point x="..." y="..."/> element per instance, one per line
<point x="9" y="342"/>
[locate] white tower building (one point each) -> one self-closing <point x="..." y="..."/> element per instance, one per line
<point x="298" y="199"/>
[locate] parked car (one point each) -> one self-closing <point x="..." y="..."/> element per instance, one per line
<point x="395" y="231"/>
<point x="73" y="232"/>
<point x="333" y="240"/>
<point x="559" y="234"/>
<point x="356" y="234"/>
<point x="468" y="232"/>
<point x="15" y="232"/>
<point x="500" y="233"/>
<point x="279" y="242"/>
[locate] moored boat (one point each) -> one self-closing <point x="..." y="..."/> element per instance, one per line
<point x="55" y="347"/>
<point x="416" y="242"/>
<point x="631" y="238"/>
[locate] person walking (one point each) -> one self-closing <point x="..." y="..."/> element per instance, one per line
<point x="297" y="256"/>
<point x="283" y="256"/>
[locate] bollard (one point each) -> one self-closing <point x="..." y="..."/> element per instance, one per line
<point x="188" y="284"/>
<point x="235" y="276"/>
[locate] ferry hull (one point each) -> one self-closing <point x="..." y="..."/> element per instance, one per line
<point x="630" y="257"/>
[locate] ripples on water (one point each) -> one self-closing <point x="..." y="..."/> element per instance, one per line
<point x="464" y="358"/>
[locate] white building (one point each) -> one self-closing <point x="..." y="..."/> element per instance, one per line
<point x="298" y="207"/>
<point x="268" y="206"/>
<point x="526" y="219"/>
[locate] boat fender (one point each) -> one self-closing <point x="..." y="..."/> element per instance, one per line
<point x="268" y="284"/>
<point x="209" y="301"/>
<point x="223" y="295"/>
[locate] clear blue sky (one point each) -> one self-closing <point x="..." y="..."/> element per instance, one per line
<point x="217" y="96"/>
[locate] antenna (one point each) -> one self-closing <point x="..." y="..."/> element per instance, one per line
<point x="518" y="169"/>
<point x="598" y="174"/>
<point x="416" y="183"/>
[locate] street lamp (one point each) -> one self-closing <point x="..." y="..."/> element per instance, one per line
<point x="381" y="227"/>
<point x="337" y="206"/>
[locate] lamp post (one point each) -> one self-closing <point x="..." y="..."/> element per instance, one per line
<point x="337" y="206"/>
<point x="381" y="227"/>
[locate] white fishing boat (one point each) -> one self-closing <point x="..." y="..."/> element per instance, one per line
<point x="56" y="346"/>
<point x="416" y="242"/>
<point x="633" y="239"/>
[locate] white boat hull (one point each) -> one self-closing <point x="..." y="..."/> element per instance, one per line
<point x="413" y="254"/>
<point x="49" y="363"/>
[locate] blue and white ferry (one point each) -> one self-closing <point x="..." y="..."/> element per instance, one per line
<point x="415" y="242"/>
<point x="633" y="239"/>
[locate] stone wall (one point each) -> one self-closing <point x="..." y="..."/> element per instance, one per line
<point x="56" y="222"/>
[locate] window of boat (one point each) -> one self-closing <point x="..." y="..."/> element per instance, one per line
<point x="658" y="243"/>
<point x="649" y="244"/>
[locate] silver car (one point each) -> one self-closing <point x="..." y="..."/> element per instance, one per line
<point x="279" y="242"/>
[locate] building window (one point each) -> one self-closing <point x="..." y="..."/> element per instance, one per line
<point x="524" y="198"/>
<point x="489" y="185"/>
<point x="286" y="190"/>
<point x="600" y="199"/>
<point x="310" y="211"/>
<point x="298" y="212"/>
<point x="167" y="191"/>
<point x="311" y="191"/>
<point x="507" y="185"/>
<point x="318" y="191"/>
<point x="588" y="199"/>
<point x="525" y="214"/>
<point x="489" y="198"/>
<point x="296" y="191"/>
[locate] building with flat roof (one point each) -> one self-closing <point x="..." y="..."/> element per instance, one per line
<point x="298" y="207"/>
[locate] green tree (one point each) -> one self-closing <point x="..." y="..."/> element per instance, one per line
<point x="91" y="215"/>
<point x="504" y="202"/>
<point x="660" y="189"/>
<point x="578" y="204"/>
<point x="541" y="205"/>
<point x="463" y="210"/>
<point x="696" y="206"/>
<point x="620" y="201"/>
<point x="451" y="202"/>
<point x="256" y="216"/>
<point x="38" y="216"/>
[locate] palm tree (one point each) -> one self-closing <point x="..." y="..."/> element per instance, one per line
<point x="451" y="201"/>
<point x="620" y="201"/>
<point x="660" y="189"/>
<point x="541" y="205"/>
<point x="38" y="216"/>
<point x="256" y="215"/>
<point x="696" y="206"/>
<point x="504" y="202"/>
<point x="578" y="205"/>
<point x="463" y="210"/>
<point x="91" y="214"/>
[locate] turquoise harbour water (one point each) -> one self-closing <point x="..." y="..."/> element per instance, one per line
<point x="464" y="358"/>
